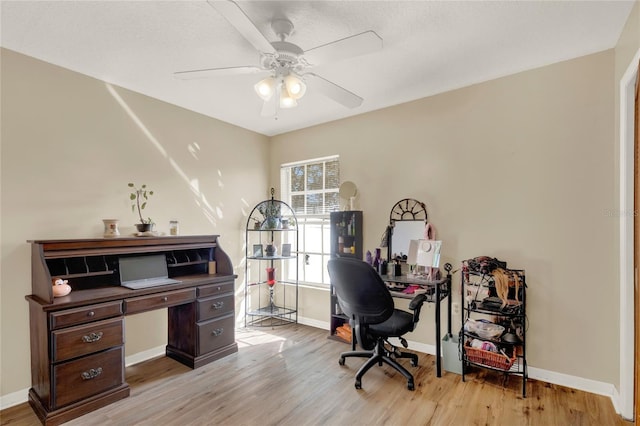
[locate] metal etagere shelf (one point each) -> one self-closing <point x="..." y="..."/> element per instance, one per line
<point x="271" y="267"/>
<point x="504" y="318"/>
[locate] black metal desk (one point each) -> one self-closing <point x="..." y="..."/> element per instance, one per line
<point x="435" y="294"/>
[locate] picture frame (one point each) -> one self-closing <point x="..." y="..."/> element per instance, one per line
<point x="286" y="250"/>
<point x="257" y="250"/>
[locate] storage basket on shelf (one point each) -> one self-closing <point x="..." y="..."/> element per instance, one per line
<point x="491" y="359"/>
<point x="483" y="328"/>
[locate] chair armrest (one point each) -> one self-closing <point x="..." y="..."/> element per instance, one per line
<point x="415" y="305"/>
<point x="416" y="302"/>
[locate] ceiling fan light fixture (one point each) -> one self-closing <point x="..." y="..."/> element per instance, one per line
<point x="266" y="88"/>
<point x="295" y="86"/>
<point x="286" y="100"/>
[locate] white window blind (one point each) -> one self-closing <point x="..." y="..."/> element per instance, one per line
<point x="311" y="188"/>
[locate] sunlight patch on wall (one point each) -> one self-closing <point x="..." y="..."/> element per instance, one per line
<point x="194" y="148"/>
<point x="136" y="120"/>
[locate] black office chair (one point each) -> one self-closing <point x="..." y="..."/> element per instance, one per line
<point x="365" y="299"/>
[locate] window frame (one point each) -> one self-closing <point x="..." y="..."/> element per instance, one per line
<point x="311" y="219"/>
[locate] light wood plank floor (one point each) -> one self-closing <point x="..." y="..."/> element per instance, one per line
<point x="290" y="376"/>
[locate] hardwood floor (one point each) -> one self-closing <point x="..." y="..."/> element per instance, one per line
<point x="290" y="376"/>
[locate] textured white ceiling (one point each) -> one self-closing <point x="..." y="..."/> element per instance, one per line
<point x="429" y="47"/>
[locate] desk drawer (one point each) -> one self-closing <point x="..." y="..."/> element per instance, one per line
<point x="85" y="314"/>
<point x="215" y="334"/>
<point x="90" y="375"/>
<point x="73" y="342"/>
<point x="215" y="289"/>
<point x="212" y="307"/>
<point x="159" y="300"/>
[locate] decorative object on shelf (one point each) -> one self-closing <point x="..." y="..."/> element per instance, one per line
<point x="347" y="193"/>
<point x="257" y="250"/>
<point x="270" y="250"/>
<point x="111" y="228"/>
<point x="271" y="213"/>
<point x="270" y="210"/>
<point x="60" y="287"/>
<point x="271" y="276"/>
<point x="286" y="250"/>
<point x="212" y="267"/>
<point x="377" y="259"/>
<point x="174" y="227"/>
<point x="139" y="198"/>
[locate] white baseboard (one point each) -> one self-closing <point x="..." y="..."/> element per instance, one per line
<point x="145" y="355"/>
<point x="15" y="398"/>
<point x="574" y="382"/>
<point x="579" y="383"/>
<point x="323" y="325"/>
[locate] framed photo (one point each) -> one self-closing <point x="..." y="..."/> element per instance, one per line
<point x="257" y="250"/>
<point x="286" y="250"/>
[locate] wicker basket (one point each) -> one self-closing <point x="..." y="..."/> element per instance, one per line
<point x="488" y="358"/>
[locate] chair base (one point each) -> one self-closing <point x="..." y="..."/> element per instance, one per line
<point x="380" y="354"/>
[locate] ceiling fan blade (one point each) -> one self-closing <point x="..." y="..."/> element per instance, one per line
<point x="359" y="44"/>
<point x="236" y="17"/>
<point x="332" y="90"/>
<point x="210" y="72"/>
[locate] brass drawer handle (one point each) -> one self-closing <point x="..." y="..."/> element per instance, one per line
<point x="217" y="331"/>
<point x="91" y="374"/>
<point x="217" y="305"/>
<point x="92" y="337"/>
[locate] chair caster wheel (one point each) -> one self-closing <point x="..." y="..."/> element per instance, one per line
<point x="414" y="363"/>
<point x="358" y="384"/>
<point x="410" y="386"/>
<point x="341" y="361"/>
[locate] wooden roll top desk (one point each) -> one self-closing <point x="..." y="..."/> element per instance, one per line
<point x="77" y="341"/>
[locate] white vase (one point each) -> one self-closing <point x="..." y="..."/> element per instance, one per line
<point x="111" y="228"/>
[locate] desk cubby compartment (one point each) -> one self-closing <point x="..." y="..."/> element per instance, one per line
<point x="57" y="267"/>
<point x="81" y="266"/>
<point x="188" y="257"/>
<point x="77" y="265"/>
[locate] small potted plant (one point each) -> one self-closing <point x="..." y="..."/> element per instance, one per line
<point x="139" y="198"/>
<point x="270" y="210"/>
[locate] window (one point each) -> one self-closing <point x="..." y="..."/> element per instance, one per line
<point x="311" y="189"/>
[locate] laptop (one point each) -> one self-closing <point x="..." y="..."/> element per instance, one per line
<point x="144" y="271"/>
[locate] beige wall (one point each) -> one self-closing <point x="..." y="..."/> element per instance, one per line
<point x="521" y="168"/>
<point x="70" y="145"/>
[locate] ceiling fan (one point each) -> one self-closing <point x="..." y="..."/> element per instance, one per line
<point x="287" y="64"/>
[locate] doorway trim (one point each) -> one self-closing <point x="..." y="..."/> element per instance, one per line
<point x="627" y="326"/>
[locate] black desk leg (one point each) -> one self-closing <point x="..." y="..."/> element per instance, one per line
<point x="438" y="358"/>
<point x="449" y="304"/>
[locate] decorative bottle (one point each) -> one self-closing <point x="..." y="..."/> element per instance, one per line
<point x="377" y="259"/>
